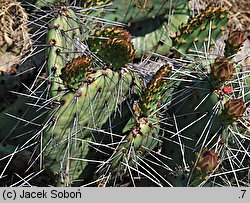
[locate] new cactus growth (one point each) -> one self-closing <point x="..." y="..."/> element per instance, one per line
<point x="222" y="70"/>
<point x="113" y="45"/>
<point x="233" y="110"/>
<point x="74" y="73"/>
<point x="206" y="164"/>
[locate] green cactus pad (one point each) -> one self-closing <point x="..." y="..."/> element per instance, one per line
<point x="141" y="134"/>
<point x="128" y="11"/>
<point x="204" y="29"/>
<point x="63" y="30"/>
<point x="156" y="36"/>
<point x="82" y="113"/>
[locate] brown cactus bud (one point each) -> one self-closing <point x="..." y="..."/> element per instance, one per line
<point x="235" y="108"/>
<point x="236" y="38"/>
<point x="221" y="71"/>
<point x="233" y="43"/>
<point x="207" y="161"/>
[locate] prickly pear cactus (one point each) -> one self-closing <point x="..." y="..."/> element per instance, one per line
<point x="68" y="137"/>
<point x="141" y="134"/>
<point x="90" y="120"/>
<point x="200" y="32"/>
<point x="207" y="109"/>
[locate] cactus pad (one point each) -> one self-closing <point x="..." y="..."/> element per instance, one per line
<point x="204" y="29"/>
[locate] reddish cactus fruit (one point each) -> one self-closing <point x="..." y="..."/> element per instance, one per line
<point x="227" y="89"/>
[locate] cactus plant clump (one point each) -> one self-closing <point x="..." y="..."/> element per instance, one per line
<point x="90" y="117"/>
<point x="207" y="109"/>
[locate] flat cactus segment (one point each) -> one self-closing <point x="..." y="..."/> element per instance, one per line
<point x="204" y="28"/>
<point x="74" y="73"/>
<point x="113" y="45"/>
<point x="194" y="108"/>
<point x="140" y="139"/>
<point x="156" y="36"/>
<point x="63" y="31"/>
<point x="129" y="11"/>
<point x="141" y="134"/>
<point x="154" y="96"/>
<point x="82" y="113"/>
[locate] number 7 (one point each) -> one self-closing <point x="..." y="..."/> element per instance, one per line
<point x="244" y="191"/>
